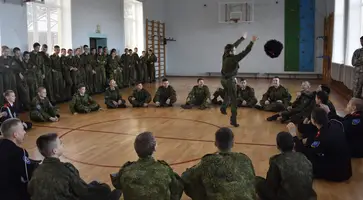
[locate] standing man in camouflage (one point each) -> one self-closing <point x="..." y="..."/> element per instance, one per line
<point x="140" y="97"/>
<point x="136" y="59"/>
<point x="76" y="67"/>
<point x="42" y="109"/>
<point x="100" y="76"/>
<point x="82" y="102"/>
<point x="143" y="67"/>
<point x="37" y="60"/>
<point x="147" y="178"/>
<point x="125" y="66"/>
<point x="17" y="75"/>
<point x="57" y="75"/>
<point x="276" y="99"/>
<point x="150" y="62"/>
<point x="165" y="95"/>
<point x="290" y="175"/>
<point x="357" y="62"/>
<point x="229" y="72"/>
<point x="113" y="98"/>
<point x="132" y="66"/>
<point x="245" y="95"/>
<point x="224" y="174"/>
<point x="86" y="61"/>
<point x="67" y="65"/>
<point x="47" y="73"/>
<point x="199" y="96"/>
<point x="6" y="62"/>
<point x="114" y="67"/>
<point x="30" y="75"/>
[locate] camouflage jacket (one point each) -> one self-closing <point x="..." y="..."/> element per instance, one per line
<point x="357" y="59"/>
<point x="302" y="101"/>
<point x="223" y="175"/>
<point x="141" y="95"/>
<point x="164" y="92"/>
<point x="280" y="93"/>
<point x="79" y="101"/>
<point x="57" y="181"/>
<point x="290" y="176"/>
<point x="113" y="64"/>
<point x="101" y="60"/>
<point x="199" y="93"/>
<point x="247" y="94"/>
<point x="112" y="94"/>
<point x="148" y="179"/>
<point x="56" y="62"/>
<point x="44" y="106"/>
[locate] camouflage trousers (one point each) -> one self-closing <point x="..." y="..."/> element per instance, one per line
<point x="37" y="116"/>
<point x="250" y="103"/>
<point x="358" y="82"/>
<point x="87" y="108"/>
<point x="163" y="100"/>
<point x="230" y="95"/>
<point x="201" y="102"/>
<point x="273" y="106"/>
<point x="110" y="104"/>
<point x="137" y="103"/>
<point x="263" y="190"/>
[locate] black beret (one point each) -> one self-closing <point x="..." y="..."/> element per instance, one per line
<point x="273" y="48"/>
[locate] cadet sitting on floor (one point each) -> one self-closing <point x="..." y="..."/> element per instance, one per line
<point x="276" y="99"/>
<point x="147" y="178"/>
<point x="82" y="102"/>
<point x="140" y="97"/>
<point x="290" y="175"/>
<point x="42" y="109"/>
<point x="165" y="95"/>
<point x="353" y="125"/>
<point x="199" y="96"/>
<point x="245" y="94"/>
<point x="218" y="93"/>
<point x="113" y="99"/>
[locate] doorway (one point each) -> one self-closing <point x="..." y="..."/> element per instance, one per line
<point x="96" y="42"/>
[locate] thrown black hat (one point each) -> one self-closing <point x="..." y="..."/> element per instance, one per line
<point x="273" y="48"/>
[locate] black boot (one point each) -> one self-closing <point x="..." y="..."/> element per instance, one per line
<point x="273" y="117"/>
<point x="233" y="121"/>
<point x="223" y="110"/>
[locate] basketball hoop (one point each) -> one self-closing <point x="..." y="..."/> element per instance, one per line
<point x="235" y="20"/>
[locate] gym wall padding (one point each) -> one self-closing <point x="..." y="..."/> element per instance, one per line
<point x="292" y="31"/>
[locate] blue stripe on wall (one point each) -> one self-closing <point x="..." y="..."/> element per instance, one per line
<point x="307" y="36"/>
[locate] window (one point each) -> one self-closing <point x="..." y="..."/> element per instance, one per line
<point x="361" y="24"/>
<point x="353" y="30"/>
<point x="134" y="22"/>
<point x="339" y="27"/>
<point x="43" y="23"/>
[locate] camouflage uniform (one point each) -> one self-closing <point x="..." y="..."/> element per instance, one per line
<point x="141" y="96"/>
<point x="37" y="60"/>
<point x="274" y="94"/>
<point x="83" y="104"/>
<point x="148" y="179"/>
<point x="143" y="68"/>
<point x="88" y="70"/>
<point x="22" y="89"/>
<point x="57" y="77"/>
<point x="66" y="71"/>
<point x="150" y="62"/>
<point x="61" y="181"/>
<point x="9" y="80"/>
<point x="47" y="72"/>
<point x="76" y="75"/>
<point x="31" y="78"/>
<point x="113" y="95"/>
<point x="229" y="72"/>
<point x="42" y="110"/>
<point x="198" y="97"/>
<point x="218" y="93"/>
<point x="100" y="77"/>
<point x="137" y="66"/>
<point x="115" y="70"/>
<point x="125" y="64"/>
<point x="357" y="62"/>
<point x="248" y="95"/>
<point x="163" y="94"/>
<point x="290" y="176"/>
<point x="223" y="175"/>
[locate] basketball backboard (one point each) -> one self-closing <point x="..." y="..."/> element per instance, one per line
<point x="235" y="12"/>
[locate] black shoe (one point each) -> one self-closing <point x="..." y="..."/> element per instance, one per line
<point x="273" y="117"/>
<point x="233" y="122"/>
<point x="258" y="107"/>
<point x="223" y="110"/>
<point x="186" y="106"/>
<point x="122" y="106"/>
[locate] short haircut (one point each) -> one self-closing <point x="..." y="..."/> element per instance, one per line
<point x="45" y="46"/>
<point x="325" y="88"/>
<point x="41" y="89"/>
<point x="46" y="143"/>
<point x="81" y="86"/>
<point x="358" y="103"/>
<point x="320" y="116"/>
<point x="8" y="127"/>
<point x="130" y="50"/>
<point x="241" y="79"/>
<point x="323" y="96"/>
<point x="199" y="79"/>
<point x="35" y="45"/>
<point x="105" y="47"/>
<point x="99" y="47"/>
<point x="26" y="53"/>
<point x="285" y="141"/>
<point x="85" y="46"/>
<point x="165" y="79"/>
<point x="70" y="49"/>
<point x="78" y="49"/>
<point x="361" y="38"/>
<point x="145" y="144"/>
<point x="8" y="92"/>
<point x="63" y="49"/>
<point x="276" y="77"/>
<point x="56" y="47"/>
<point x="140" y="82"/>
<point x="113" y="51"/>
<point x="16" y="49"/>
<point x="224" y="138"/>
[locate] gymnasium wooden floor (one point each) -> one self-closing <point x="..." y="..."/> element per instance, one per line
<point x="99" y="143"/>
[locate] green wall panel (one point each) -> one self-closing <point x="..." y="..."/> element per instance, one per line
<point x="292" y="31"/>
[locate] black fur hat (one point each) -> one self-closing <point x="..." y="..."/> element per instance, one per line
<point x="273" y="48"/>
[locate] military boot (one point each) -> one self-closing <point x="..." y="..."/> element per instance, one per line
<point x="233" y="120"/>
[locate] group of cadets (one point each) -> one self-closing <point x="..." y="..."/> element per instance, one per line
<point x="62" y="72"/>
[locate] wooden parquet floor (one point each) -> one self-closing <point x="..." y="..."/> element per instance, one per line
<point x="99" y="143"/>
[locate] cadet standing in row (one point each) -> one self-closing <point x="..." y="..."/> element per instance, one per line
<point x="17" y="75"/>
<point x="57" y="76"/>
<point x="47" y="73"/>
<point x="140" y="97"/>
<point x="30" y="75"/>
<point x="114" y="67"/>
<point x="357" y="62"/>
<point x="136" y="62"/>
<point x="150" y="62"/>
<point x="88" y="70"/>
<point x="67" y="73"/>
<point x="6" y="65"/>
<point x="100" y="76"/>
<point x="199" y="96"/>
<point x="143" y="67"/>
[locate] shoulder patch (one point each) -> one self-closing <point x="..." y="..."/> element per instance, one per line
<point x="26" y="160"/>
<point x="355" y="122"/>
<point x="38" y="107"/>
<point x="315" y="144"/>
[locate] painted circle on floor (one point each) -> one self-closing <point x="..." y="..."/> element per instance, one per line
<point x="113" y="136"/>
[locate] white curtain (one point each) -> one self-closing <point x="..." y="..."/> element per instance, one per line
<point x="134" y="21"/>
<point x="339" y="27"/>
<point x="353" y="30"/>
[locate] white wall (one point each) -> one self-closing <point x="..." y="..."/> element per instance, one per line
<point x="154" y="9"/>
<point x="13" y="26"/>
<point x="86" y="14"/>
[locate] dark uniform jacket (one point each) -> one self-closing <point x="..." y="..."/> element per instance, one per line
<point x="353" y="127"/>
<point x="328" y="151"/>
<point x="302" y="102"/>
<point x="16" y="169"/>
